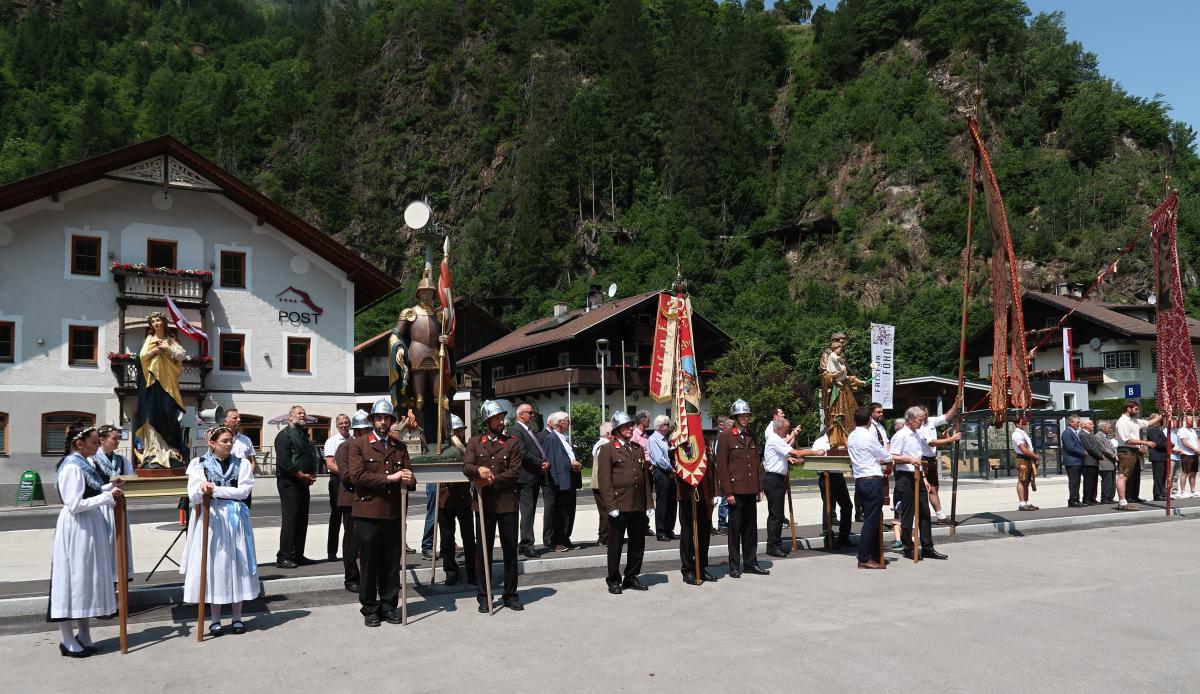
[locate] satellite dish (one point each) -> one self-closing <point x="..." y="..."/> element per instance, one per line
<point x="612" y="290"/>
<point x="417" y="214"/>
<point x="1152" y="299"/>
<point x="1095" y="344"/>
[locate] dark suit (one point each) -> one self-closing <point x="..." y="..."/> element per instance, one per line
<point x="1158" y="460"/>
<point x="740" y="474"/>
<point x="1073" y="454"/>
<point x="502" y="455"/>
<point x="1091" y="464"/>
<point x="623" y="476"/>
<point x="558" y="492"/>
<point x="294" y="493"/>
<point x="530" y="482"/>
<point x="378" y="524"/>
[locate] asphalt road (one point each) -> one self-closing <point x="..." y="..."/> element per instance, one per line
<point x="1084" y="611"/>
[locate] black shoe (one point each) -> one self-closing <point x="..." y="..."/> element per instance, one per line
<point x="530" y="553"/>
<point x="662" y="537"/>
<point x="908" y="554"/>
<point x="634" y="584"/>
<point x="932" y="554"/>
<point x="614" y="588"/>
<point x="514" y="604"/>
<point x="90" y="650"/>
<point x="286" y="564"/>
<point x="1159" y="498"/>
<point x="722" y="531"/>
<point x="483" y="607"/>
<point x="714" y="531"/>
<point x="671" y="534"/>
<point x="394" y="617"/>
<point x="305" y="561"/>
<point x="756" y="569"/>
<point x="1136" y="500"/>
<point x="649" y="532"/>
<point x="371" y="620"/>
<point x="68" y="653"/>
<point x="773" y="552"/>
<point x="237" y="627"/>
<point x="451" y="578"/>
<point x="409" y="550"/>
<point x="735" y="573"/>
<point x="215" y="629"/>
<point x="858" y="518"/>
<point x="352" y="587"/>
<point x="1074" y="504"/>
<point x="709" y="577"/>
<point x="332" y="557"/>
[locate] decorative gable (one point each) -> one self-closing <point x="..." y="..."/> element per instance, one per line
<point x="164" y="171"/>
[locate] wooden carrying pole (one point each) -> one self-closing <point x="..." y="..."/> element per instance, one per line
<point x="485" y="549"/>
<point x="791" y="513"/>
<point x="203" y="511"/>
<point x="122" y="550"/>
<point x="962" y="351"/>
<point x="437" y="488"/>
<point x="404" y="555"/>
<point x="696" y="538"/>
<point x="916" y="529"/>
<point x="1169" y="466"/>
<point x="882" y="520"/>
<point x="827" y="506"/>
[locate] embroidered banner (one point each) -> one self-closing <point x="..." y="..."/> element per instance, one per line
<point x="1177" y="391"/>
<point x="675" y="375"/>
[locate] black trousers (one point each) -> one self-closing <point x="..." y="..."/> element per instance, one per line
<point x="1091" y="474"/>
<point x="687" y="542"/>
<point x="508" y="545"/>
<point x="1108" y="486"/>
<point x="840" y="497"/>
<point x="911" y="498"/>
<point x="633" y="523"/>
<point x="335" y="517"/>
<point x="870" y="491"/>
<point x="774" y="490"/>
<point x="349" y="546"/>
<point x="528" y="492"/>
<point x="293" y="510"/>
<point x="379" y="548"/>
<point x="447" y="517"/>
<point x="743" y="532"/>
<point x="602" y="529"/>
<point x="1159" y="467"/>
<point x="664" y="500"/>
<point x="1074" y="473"/>
<point x="558" y="516"/>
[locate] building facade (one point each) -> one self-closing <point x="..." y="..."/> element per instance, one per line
<point x="89" y="250"/>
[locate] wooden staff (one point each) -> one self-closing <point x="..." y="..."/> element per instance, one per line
<point x="122" y="550"/>
<point x="696" y="537"/>
<point x="882" y="520"/>
<point x="827" y="521"/>
<point x="437" y="487"/>
<point x="791" y="513"/>
<point x="404" y="555"/>
<point x="203" y="566"/>
<point x="1169" y="466"/>
<point x="916" y="529"/>
<point x="962" y="346"/>
<point x="485" y="549"/>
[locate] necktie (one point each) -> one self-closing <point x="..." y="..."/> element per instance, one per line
<point x="537" y="443"/>
<point x="879" y="434"/>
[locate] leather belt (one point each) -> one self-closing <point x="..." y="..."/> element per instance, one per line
<point x="871" y="477"/>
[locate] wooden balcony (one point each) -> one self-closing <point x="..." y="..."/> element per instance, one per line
<point x="582" y="377"/>
<point x="149" y="287"/>
<point x="191" y="381"/>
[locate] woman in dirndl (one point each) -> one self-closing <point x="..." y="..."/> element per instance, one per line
<point x="81" y="573"/>
<point x="232" y="566"/>
<point x="112" y="465"/>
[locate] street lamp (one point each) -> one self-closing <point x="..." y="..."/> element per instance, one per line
<point x="570" y="424"/>
<point x="601" y="362"/>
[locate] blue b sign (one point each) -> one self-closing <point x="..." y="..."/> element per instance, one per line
<point x="1133" y="390"/>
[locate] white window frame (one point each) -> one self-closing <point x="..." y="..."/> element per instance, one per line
<point x="1135" y="360"/>
<point x="497" y="374"/>
<point x="68" y="232"/>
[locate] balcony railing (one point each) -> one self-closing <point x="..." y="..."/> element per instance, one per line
<point x="191" y="379"/>
<point x="153" y="285"/>
<point x="581" y="377"/>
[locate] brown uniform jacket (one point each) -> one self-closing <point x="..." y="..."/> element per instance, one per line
<point x="453" y="497"/>
<point x="501" y="455"/>
<point x="345" y="490"/>
<point x="623" y="477"/>
<point x="370" y="462"/>
<point x="739" y="463"/>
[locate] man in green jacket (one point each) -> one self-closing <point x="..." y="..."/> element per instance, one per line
<point x="295" y="472"/>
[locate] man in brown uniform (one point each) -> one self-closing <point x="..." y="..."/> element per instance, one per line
<point x="379" y="470"/>
<point x="740" y="473"/>
<point x="687" y="542"/>
<point x="623" y="476"/>
<point x="492" y="462"/>
<point x="454" y="502"/>
<point x="360" y="425"/>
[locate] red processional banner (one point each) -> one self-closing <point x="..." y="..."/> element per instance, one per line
<point x="674" y="376"/>
<point x="1177" y="392"/>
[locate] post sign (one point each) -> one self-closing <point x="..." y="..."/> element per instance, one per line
<point x="29" y="490"/>
<point x="298" y="307"/>
<point x="1133" y="390"/>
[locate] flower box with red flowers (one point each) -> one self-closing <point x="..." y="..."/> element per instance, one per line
<point x="121" y="357"/>
<point x="143" y="269"/>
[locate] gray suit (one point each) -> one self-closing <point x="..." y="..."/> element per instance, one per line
<point x="1100" y="448"/>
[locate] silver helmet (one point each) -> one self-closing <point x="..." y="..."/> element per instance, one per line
<point x="739" y="407"/>
<point x="360" y="420"/>
<point x="620" y="419"/>
<point x="456" y="422"/>
<point x="491" y="408"/>
<point x="384" y="406"/>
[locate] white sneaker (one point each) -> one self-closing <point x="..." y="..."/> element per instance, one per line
<point x="1122" y="503"/>
<point x="1177" y="495"/>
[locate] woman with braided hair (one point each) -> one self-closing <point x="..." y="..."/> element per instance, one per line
<point x="232" y="565"/>
<point x="111" y="466"/>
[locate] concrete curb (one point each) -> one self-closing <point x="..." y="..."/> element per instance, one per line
<point x="153" y="596"/>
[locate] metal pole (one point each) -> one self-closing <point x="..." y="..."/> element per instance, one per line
<point x="624" y="402"/>
<point x="603" y="409"/>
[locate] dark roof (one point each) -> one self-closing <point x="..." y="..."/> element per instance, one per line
<point x="546" y="331"/>
<point x="1102" y="314"/>
<point x="370" y="282"/>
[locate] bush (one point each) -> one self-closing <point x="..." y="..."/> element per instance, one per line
<point x="585" y="430"/>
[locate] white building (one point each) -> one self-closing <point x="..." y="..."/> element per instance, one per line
<point x="275" y="296"/>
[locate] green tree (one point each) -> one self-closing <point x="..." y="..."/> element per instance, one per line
<point x="585" y="430"/>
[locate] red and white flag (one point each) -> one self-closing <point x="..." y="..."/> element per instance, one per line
<point x="182" y="325"/>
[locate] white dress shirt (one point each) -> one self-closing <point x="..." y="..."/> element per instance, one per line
<point x="566" y="445"/>
<point x="881" y="431"/>
<point x="1129" y="428"/>
<point x="332" y="443"/>
<point x="1020" y="437"/>
<point x="242" y="447"/>
<point x="928" y="432"/>
<point x="866" y="453"/>
<point x="906" y="442"/>
<point x="775" y="454"/>
<point x="822" y="443"/>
